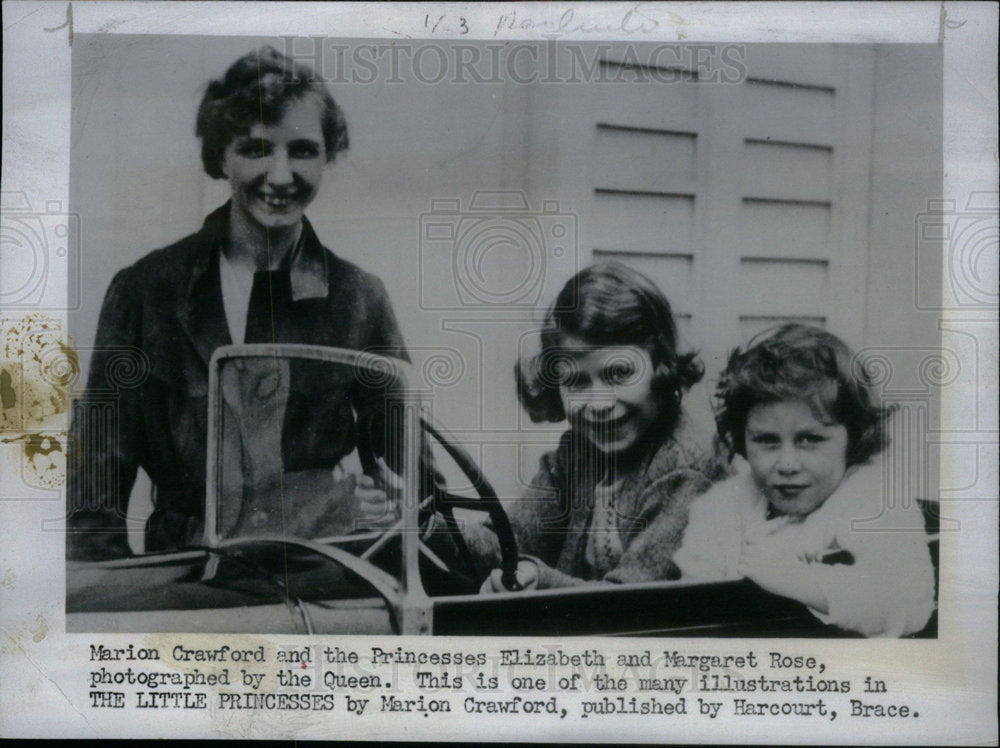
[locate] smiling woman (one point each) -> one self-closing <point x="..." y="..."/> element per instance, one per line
<point x="274" y="171"/>
<point x="255" y="272"/>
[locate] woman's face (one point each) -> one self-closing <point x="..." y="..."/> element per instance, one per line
<point x="607" y="393"/>
<point x="275" y="170"/>
<point x="798" y="456"/>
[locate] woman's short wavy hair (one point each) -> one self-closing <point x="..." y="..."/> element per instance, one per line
<point x="257" y="88"/>
<point x="608" y="304"/>
<point x="794" y="362"/>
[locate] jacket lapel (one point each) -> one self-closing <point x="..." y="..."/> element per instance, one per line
<point x="302" y="315"/>
<point x="199" y="308"/>
<point x="308" y="269"/>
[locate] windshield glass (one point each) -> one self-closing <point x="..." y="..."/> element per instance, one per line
<point x="305" y="448"/>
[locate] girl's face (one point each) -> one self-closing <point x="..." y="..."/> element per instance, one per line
<point x="607" y="393"/>
<point x="275" y="170"/>
<point x="797" y="455"/>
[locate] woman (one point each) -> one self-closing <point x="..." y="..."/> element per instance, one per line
<point x="255" y="272"/>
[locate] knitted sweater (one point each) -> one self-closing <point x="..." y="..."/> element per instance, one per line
<point x="553" y="522"/>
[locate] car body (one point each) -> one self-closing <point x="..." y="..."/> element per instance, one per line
<point x="403" y="579"/>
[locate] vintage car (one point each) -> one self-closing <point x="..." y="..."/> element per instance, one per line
<point x="261" y="569"/>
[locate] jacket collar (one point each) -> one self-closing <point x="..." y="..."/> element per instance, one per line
<point x="306" y="263"/>
<point x="200" y="308"/>
<point x="307" y="266"/>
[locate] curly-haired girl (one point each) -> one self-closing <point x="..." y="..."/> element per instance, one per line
<point x="809" y="519"/>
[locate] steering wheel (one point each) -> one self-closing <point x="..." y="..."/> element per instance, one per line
<point x="445" y="503"/>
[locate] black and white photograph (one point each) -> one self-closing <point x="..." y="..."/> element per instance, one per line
<point x="596" y="337"/>
<point x="642" y="210"/>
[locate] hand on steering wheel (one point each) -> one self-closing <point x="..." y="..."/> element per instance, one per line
<point x="526" y="575"/>
<point x="445" y="503"/>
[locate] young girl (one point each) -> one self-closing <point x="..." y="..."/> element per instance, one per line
<point x="611" y="502"/>
<point x="809" y="519"/>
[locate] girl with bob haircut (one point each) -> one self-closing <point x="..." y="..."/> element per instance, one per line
<point x="255" y="272"/>
<point x="610" y="503"/>
<point x="806" y="516"/>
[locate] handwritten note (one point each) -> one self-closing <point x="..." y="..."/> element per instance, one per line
<point x="572" y="21"/>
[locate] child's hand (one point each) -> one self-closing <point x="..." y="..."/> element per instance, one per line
<point x="768" y="561"/>
<point x="764" y="558"/>
<point x="527" y="576"/>
<point x="765" y="531"/>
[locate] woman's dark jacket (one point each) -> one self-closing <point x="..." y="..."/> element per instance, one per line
<point x="146" y="398"/>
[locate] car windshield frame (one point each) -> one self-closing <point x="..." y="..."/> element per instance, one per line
<point x="390" y="372"/>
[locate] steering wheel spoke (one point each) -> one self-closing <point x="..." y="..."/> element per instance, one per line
<point x="382" y="540"/>
<point x="444" y="503"/>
